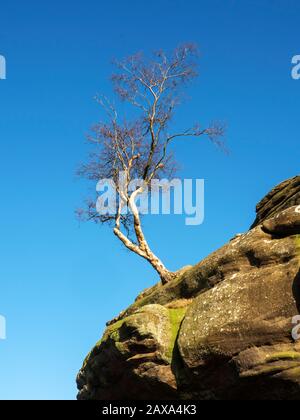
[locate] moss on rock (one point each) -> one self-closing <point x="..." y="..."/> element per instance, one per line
<point x="176" y="317"/>
<point x="292" y="355"/>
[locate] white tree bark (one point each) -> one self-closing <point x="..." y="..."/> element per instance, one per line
<point x="142" y="247"/>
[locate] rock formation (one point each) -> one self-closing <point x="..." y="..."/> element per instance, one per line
<point x="285" y="195"/>
<point x="221" y="330"/>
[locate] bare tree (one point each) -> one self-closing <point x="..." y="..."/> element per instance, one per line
<point x="141" y="148"/>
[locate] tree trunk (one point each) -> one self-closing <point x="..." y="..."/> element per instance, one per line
<point x="141" y="248"/>
<point x="164" y="274"/>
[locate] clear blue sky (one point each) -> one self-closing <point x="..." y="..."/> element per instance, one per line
<point x="60" y="282"/>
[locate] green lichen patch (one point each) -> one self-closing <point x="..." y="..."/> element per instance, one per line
<point x="176" y="317"/>
<point x="297" y="241"/>
<point x="283" y="356"/>
<point x="267" y="370"/>
<point x="111" y="332"/>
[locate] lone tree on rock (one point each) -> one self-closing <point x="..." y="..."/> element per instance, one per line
<point x="140" y="148"/>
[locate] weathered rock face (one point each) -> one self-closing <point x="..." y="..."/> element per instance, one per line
<point x="285" y="195"/>
<point x="222" y="330"/>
